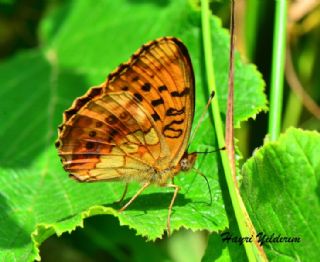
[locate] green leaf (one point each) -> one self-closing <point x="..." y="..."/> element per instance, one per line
<point x="37" y="197"/>
<point x="124" y="245"/>
<point x="281" y="190"/>
<point x="7" y="2"/>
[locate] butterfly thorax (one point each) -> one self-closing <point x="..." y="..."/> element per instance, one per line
<point x="161" y="176"/>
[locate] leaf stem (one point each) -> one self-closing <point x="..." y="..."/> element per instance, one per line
<point x="277" y="71"/>
<point x="238" y="206"/>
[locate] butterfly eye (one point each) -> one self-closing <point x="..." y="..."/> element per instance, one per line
<point x="184" y="163"/>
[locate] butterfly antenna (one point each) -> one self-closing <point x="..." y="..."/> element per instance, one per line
<point x="199" y="173"/>
<point x="212" y="151"/>
<point x="201" y="118"/>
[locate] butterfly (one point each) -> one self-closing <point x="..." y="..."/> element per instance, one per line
<point x="136" y="125"/>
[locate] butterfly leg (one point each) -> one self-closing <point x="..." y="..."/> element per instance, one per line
<point x="176" y="190"/>
<point x="123" y="194"/>
<point x="135" y="196"/>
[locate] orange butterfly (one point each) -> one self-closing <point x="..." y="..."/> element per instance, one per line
<point x="136" y="125"/>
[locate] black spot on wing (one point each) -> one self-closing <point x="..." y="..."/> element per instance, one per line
<point x="138" y="97"/>
<point x="146" y="87"/>
<point x="92" y="133"/>
<point x="111" y="135"/>
<point x="175" y="112"/>
<point x="162" y="88"/>
<point x="185" y="92"/>
<point x="171" y="132"/>
<point x="89" y="145"/>
<point x="155" y="116"/>
<point x="135" y="78"/>
<point x="157" y="102"/>
<point x="111" y="120"/>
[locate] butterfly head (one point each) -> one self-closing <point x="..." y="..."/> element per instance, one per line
<point x="187" y="161"/>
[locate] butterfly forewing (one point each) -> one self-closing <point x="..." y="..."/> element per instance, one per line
<point x="160" y="76"/>
<point x="137" y="121"/>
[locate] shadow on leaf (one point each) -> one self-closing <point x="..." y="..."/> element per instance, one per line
<point x="161" y="3"/>
<point x="153" y="201"/>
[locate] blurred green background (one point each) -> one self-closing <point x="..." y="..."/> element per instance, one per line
<point x="19" y="31"/>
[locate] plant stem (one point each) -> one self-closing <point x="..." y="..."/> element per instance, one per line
<point x="238" y="206"/>
<point x="210" y="72"/>
<point x="277" y="71"/>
